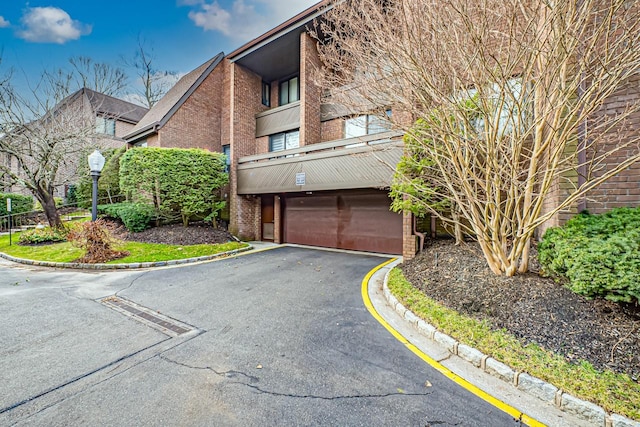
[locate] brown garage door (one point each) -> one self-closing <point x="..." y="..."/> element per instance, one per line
<point x="348" y="220"/>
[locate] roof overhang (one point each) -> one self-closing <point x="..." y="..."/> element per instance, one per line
<point x="276" y="54"/>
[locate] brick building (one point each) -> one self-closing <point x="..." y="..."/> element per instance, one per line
<point x="302" y="171"/>
<point x="103" y="119"/>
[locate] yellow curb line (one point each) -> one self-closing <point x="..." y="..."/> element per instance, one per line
<point x="437" y="366"/>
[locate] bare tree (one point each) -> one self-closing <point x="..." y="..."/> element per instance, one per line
<point x="155" y="83"/>
<point x="42" y="140"/>
<point x="85" y="72"/>
<point x="511" y="97"/>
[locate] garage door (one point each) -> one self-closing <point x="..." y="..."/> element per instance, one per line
<point x="349" y="220"/>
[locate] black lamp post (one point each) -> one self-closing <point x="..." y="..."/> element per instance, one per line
<point x="96" y="163"/>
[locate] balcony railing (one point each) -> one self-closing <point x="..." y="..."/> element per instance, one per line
<point x="362" y="162"/>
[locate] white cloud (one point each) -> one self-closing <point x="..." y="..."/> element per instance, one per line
<point x="3" y="22"/>
<point x="50" y="25"/>
<point x="243" y="19"/>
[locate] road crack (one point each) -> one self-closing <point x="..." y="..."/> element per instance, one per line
<point x="253" y="379"/>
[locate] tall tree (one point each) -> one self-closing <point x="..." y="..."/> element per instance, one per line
<point x="510" y="94"/>
<point x="44" y="133"/>
<point x="154" y="83"/>
<point x="85" y="72"/>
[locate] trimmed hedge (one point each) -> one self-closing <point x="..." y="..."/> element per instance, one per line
<point x="43" y="235"/>
<point x="598" y="254"/>
<point x="135" y="216"/>
<point x="179" y="183"/>
<point x="19" y="203"/>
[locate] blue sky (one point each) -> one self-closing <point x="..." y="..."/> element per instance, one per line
<point x="37" y="35"/>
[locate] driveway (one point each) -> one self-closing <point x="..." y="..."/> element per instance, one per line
<point x="279" y="337"/>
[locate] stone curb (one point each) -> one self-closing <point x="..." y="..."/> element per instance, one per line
<point x="132" y="266"/>
<point x="531" y="385"/>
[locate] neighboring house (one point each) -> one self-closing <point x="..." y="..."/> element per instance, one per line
<point x="302" y="171"/>
<point x="108" y="120"/>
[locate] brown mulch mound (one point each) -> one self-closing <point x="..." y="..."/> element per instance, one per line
<point x="177" y="234"/>
<point x="531" y="307"/>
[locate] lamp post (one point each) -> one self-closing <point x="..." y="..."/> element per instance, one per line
<point x="96" y="163"/>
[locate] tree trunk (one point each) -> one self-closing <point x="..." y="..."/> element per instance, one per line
<point x="50" y="211"/>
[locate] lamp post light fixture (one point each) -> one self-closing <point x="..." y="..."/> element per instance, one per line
<point x="96" y="163"/>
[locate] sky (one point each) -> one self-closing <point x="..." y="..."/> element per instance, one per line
<point x="36" y="35"/>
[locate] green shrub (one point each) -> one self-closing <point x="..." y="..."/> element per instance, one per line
<point x="180" y="183"/>
<point x="42" y="235"/>
<point x="19" y="203"/>
<point x="72" y="196"/>
<point x="599" y="255"/>
<point x="108" y="184"/>
<point x="135" y="216"/>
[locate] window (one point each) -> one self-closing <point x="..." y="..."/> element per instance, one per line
<point x="289" y="91"/>
<point x="266" y="94"/>
<point x="284" y="141"/>
<point x="140" y="144"/>
<point x="502" y="111"/>
<point x="365" y="125"/>
<point x="105" y="126"/>
<point x="226" y="150"/>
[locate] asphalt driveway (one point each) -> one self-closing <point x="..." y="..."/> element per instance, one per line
<point x="279" y="337"/>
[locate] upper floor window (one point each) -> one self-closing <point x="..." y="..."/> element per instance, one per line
<point x="226" y="150"/>
<point x="367" y="124"/>
<point x="284" y="141"/>
<point x="105" y="126"/>
<point x="289" y="91"/>
<point x="266" y="94"/>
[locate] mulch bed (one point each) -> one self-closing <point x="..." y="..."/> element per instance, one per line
<point x="531" y="307"/>
<point x="177" y="234"/>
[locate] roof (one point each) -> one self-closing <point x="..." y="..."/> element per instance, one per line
<point x="298" y="20"/>
<point x="110" y="106"/>
<point x="164" y="109"/>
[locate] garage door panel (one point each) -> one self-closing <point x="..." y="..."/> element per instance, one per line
<point x="310" y="219"/>
<point x="356" y="221"/>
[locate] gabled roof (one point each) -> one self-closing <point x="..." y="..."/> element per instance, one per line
<point x="164" y="109"/>
<point x="110" y="106"/>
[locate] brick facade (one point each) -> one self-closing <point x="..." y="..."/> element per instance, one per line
<point x="310" y="92"/>
<point x="331" y="130"/>
<point x="198" y="121"/>
<point x="623" y="189"/>
<point x="245" y="101"/>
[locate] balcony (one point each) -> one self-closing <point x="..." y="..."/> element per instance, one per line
<point x="279" y="119"/>
<point x="363" y="162"/>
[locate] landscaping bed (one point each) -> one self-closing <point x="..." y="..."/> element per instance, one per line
<point x="199" y="233"/>
<point x="533" y="308"/>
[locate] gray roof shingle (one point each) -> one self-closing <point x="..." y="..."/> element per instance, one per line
<point x="110" y="106"/>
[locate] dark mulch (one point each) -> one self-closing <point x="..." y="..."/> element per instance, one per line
<point x="177" y="234"/>
<point x="531" y="307"/>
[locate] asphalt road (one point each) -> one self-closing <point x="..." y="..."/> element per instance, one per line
<point x="279" y="337"/>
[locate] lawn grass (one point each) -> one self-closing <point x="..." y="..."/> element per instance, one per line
<point x="614" y="392"/>
<point x="139" y="252"/>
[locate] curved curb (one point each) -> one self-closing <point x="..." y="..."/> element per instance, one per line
<point x="522" y="381"/>
<point x="131" y="266"/>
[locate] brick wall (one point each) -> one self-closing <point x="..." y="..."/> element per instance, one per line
<point x="408" y="238"/>
<point x="198" y="122"/>
<point x="331" y="130"/>
<point x="245" y="101"/>
<point x="123" y="128"/>
<point x="624" y="188"/>
<point x="310" y="92"/>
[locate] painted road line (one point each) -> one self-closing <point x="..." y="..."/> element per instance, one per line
<point x="515" y="413"/>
